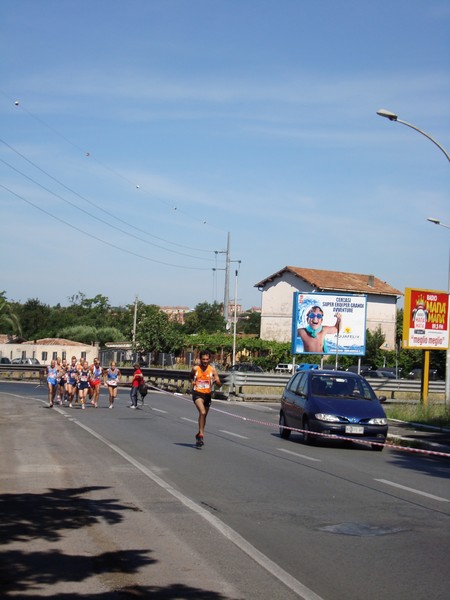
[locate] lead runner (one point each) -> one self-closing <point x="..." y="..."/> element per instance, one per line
<point x="203" y="376"/>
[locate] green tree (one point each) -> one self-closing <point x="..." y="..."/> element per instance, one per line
<point x="87" y="334"/>
<point x="9" y="320"/>
<point x="35" y="318"/>
<point x="155" y="333"/>
<point x="249" y="323"/>
<point x="374" y="341"/>
<point x="205" y="318"/>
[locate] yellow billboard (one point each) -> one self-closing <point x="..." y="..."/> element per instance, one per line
<point x="425" y="320"/>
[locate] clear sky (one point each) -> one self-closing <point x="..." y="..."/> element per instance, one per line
<point x="135" y="135"/>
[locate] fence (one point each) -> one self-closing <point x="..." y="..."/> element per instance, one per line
<point x="236" y="385"/>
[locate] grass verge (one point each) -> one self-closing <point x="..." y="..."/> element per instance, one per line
<point x="436" y="415"/>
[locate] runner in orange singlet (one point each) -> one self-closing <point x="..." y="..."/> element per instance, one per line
<point x="203" y="377"/>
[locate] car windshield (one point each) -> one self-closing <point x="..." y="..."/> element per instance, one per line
<point x="340" y="386"/>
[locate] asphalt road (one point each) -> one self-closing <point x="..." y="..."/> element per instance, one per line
<point x="119" y="503"/>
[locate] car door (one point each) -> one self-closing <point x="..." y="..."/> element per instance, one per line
<point x="291" y="400"/>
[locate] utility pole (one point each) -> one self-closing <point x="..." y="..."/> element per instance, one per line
<point x="226" y="297"/>
<point x="134" y="321"/>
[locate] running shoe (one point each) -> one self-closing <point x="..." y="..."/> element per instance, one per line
<point x="199" y="441"/>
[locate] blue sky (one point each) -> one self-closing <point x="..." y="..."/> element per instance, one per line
<point x="147" y="130"/>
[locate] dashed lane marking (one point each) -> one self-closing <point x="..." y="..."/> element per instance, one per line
<point x="412" y="490"/>
<point x="298" y="455"/>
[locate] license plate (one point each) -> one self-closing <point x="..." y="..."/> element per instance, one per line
<point x="355" y="429"/>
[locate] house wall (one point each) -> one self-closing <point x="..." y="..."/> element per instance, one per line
<point x="35" y="351"/>
<point x="276" y="315"/>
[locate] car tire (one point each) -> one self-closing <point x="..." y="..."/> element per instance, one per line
<point x="377" y="448"/>
<point x="284" y="433"/>
<point x="307" y="437"/>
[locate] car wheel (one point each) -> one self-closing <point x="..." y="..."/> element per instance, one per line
<point x="284" y="433"/>
<point x="307" y="437"/>
<point x="378" y="448"/>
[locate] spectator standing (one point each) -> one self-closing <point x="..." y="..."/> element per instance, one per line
<point x="135" y="383"/>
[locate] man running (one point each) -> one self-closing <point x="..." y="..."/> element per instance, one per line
<point x="203" y="377"/>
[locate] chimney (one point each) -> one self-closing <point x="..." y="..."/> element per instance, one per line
<point x="371" y="281"/>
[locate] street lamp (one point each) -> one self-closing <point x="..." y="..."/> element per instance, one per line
<point x="393" y="117"/>
<point x="447" y="361"/>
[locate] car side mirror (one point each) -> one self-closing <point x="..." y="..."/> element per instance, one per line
<point x="382" y="399"/>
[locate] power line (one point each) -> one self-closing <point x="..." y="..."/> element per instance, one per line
<point x="94" y="216"/>
<point x="95" y="205"/>
<point x="89" y="155"/>
<point x="91" y="236"/>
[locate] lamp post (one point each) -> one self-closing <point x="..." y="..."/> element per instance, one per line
<point x="393" y="117"/>
<point x="447" y="361"/>
<point x="235" y="316"/>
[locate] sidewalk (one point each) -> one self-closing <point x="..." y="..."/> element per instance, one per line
<point x="419" y="436"/>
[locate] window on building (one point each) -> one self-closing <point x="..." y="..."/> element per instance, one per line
<point x="54" y="355"/>
<point x="64" y="355"/>
<point x="44" y="356"/>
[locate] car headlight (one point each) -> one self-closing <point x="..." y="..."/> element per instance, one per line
<point x="325" y="417"/>
<point x="378" y="421"/>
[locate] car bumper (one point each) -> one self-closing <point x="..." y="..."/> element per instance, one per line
<point x="374" y="433"/>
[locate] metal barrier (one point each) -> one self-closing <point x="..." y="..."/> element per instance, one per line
<point x="241" y="385"/>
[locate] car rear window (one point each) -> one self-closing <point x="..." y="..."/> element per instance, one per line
<point x="338" y="385"/>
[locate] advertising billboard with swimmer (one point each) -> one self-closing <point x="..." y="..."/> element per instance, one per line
<point x="325" y="323"/>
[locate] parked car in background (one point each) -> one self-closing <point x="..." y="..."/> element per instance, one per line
<point x="306" y="366"/>
<point x="433" y="374"/>
<point x="332" y="402"/>
<point x="363" y="371"/>
<point x="379" y="374"/>
<point x="25" y="361"/>
<point x="246" y="368"/>
<point x="283" y="368"/>
<point x="4" y="360"/>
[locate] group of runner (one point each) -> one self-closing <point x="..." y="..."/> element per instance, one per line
<point x="77" y="381"/>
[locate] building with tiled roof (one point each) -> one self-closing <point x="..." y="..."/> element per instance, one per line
<point x="47" y="349"/>
<point x="277" y="299"/>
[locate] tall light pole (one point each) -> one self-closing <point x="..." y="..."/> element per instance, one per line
<point x="393" y="117"/>
<point x="226" y="295"/>
<point x="447" y="361"/>
<point x="233" y="359"/>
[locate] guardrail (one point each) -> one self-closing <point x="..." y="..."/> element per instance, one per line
<point x="236" y="385"/>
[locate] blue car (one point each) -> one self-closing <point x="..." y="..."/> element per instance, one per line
<point x="332" y="403"/>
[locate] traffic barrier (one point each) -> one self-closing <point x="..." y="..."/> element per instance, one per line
<point x="245" y="386"/>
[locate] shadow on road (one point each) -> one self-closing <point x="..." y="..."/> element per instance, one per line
<point x="44" y="517"/>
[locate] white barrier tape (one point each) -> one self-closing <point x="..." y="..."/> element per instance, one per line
<point x="326" y="435"/>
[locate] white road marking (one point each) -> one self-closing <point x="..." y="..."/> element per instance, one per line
<point x="229" y="533"/>
<point x="159" y="410"/>
<point x="243" y="437"/>
<point x="190" y="420"/>
<point x="299" y="455"/>
<point x="408" y="489"/>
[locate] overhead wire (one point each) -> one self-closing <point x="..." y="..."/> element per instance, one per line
<point x="118" y="174"/>
<point x="90" y="214"/>
<point x="95" y="237"/>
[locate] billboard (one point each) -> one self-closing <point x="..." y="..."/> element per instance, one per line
<point x="329" y="323"/>
<point x="425" y="320"/>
